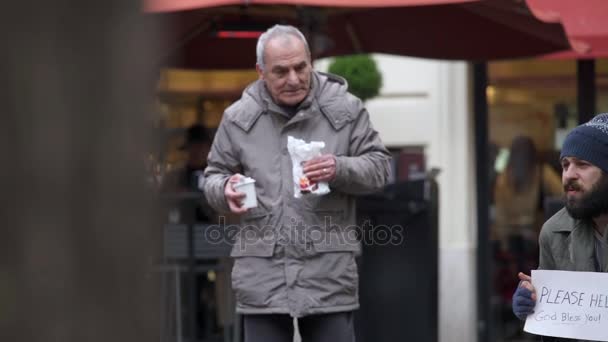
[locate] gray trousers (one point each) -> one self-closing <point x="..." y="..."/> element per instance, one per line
<point x="334" y="327"/>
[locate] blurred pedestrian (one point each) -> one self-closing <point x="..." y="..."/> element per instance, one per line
<point x="189" y="177"/>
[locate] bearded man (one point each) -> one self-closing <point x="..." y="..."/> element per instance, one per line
<point x="575" y="238"/>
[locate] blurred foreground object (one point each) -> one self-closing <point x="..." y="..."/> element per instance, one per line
<point x="78" y="242"/>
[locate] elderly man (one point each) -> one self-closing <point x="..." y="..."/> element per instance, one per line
<point x="295" y="257"/>
<point x="575" y="238"/>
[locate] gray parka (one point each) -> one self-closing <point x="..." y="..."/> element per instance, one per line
<point x="567" y="244"/>
<point x="296" y="256"/>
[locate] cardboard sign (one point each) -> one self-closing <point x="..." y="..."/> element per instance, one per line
<point x="570" y="304"/>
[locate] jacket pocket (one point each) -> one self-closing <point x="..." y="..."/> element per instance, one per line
<point x="330" y="234"/>
<point x="255" y="281"/>
<point x="256" y="236"/>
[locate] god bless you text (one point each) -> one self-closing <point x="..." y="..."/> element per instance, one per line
<point x="567" y="317"/>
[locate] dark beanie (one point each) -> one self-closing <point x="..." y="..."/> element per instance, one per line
<point x="589" y="142"/>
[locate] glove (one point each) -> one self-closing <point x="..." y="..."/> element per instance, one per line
<point x="523" y="305"/>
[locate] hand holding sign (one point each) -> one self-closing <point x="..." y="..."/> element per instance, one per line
<point x="569" y="304"/>
<point x="526" y="281"/>
<point x="524" y="297"/>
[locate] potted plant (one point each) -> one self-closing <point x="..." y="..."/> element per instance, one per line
<point x="361" y="72"/>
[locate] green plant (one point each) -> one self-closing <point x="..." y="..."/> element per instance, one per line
<point x="361" y="72"/>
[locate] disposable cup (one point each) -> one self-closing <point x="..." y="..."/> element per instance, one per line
<point x="247" y="186"/>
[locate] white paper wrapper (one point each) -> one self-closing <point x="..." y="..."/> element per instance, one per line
<point x="300" y="152"/>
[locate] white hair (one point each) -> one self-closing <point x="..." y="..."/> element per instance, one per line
<point x="273" y="32"/>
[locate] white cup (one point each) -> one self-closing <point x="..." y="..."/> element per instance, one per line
<point x="247" y="185"/>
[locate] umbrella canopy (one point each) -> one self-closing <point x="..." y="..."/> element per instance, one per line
<point x="180" y="5"/>
<point x="442" y="29"/>
<point x="584" y="23"/>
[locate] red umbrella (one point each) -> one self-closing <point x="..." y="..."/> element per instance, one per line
<point x="179" y="5"/>
<point x="584" y="22"/>
<point x="443" y="29"/>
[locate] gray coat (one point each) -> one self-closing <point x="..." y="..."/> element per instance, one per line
<point x="566" y="244"/>
<point x="296" y="256"/>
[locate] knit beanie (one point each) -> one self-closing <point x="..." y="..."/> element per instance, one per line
<point x="589" y="142"/>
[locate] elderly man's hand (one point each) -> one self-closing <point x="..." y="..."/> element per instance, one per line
<point x="321" y="169"/>
<point x="234" y="197"/>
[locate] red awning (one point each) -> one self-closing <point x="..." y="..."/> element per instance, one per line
<point x="181" y="5"/>
<point x="441" y="29"/>
<point x="585" y="23"/>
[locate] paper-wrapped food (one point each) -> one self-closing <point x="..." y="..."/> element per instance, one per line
<point x="301" y="152"/>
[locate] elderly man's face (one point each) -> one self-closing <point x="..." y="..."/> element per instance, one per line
<point x="585" y="187"/>
<point x="287" y="70"/>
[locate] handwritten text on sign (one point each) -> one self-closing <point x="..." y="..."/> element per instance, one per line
<point x="570" y="304"/>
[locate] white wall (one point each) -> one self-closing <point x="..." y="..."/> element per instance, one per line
<point x="453" y="151"/>
<point x="426" y="103"/>
<point x="402" y="111"/>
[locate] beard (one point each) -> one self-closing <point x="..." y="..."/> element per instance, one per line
<point x="591" y="204"/>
